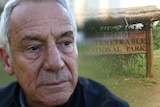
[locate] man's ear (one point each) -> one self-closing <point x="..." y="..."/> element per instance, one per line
<point x="6" y="61"/>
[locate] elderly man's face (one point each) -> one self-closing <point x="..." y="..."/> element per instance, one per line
<point x="44" y="54"/>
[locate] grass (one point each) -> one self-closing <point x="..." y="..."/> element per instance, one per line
<point x="138" y="91"/>
<point x="134" y="88"/>
<point x="4" y="78"/>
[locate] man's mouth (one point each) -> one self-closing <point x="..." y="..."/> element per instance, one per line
<point x="56" y="83"/>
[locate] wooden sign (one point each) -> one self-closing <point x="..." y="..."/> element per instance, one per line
<point x="129" y="42"/>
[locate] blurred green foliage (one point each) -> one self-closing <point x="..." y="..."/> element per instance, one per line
<point x="110" y="65"/>
<point x="156" y="36"/>
<point x="4" y="78"/>
<point x="1" y="8"/>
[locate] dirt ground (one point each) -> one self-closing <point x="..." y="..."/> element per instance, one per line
<point x="138" y="92"/>
<point x="145" y="93"/>
<point x="142" y="92"/>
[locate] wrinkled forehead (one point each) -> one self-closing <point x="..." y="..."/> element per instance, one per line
<point x="31" y="11"/>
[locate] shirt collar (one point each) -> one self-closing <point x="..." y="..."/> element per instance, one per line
<point x="21" y="98"/>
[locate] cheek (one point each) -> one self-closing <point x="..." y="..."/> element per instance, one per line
<point x="25" y="74"/>
<point x="71" y="63"/>
<point x="26" y="71"/>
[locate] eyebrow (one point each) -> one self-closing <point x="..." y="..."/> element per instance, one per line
<point x="68" y="33"/>
<point x="36" y="37"/>
<point x="30" y="37"/>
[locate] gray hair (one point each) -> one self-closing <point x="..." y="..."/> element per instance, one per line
<point x="5" y="20"/>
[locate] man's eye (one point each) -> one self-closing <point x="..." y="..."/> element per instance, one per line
<point x="67" y="43"/>
<point x="33" y="51"/>
<point x="66" y="46"/>
<point x="32" y="48"/>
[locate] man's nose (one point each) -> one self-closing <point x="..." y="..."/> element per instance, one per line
<point x="53" y="60"/>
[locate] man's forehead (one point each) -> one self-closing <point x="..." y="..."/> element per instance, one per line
<point x="31" y="10"/>
<point x="31" y="14"/>
<point x="40" y="19"/>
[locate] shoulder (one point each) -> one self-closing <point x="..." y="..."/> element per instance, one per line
<point x="7" y="94"/>
<point x="88" y="82"/>
<point x="99" y="94"/>
<point x="7" y="90"/>
<point x="93" y="87"/>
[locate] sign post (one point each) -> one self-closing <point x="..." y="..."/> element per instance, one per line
<point x="124" y="42"/>
<point x="149" y="54"/>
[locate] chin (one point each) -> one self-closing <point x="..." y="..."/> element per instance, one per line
<point x="56" y="99"/>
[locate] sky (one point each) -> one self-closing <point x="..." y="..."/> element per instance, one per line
<point x="128" y="3"/>
<point x="80" y="6"/>
<point x="97" y="4"/>
<point x="115" y="3"/>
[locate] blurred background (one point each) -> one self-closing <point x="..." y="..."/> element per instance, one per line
<point x="124" y="75"/>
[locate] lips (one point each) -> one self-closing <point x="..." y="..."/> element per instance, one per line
<point x="52" y="87"/>
<point x="55" y="83"/>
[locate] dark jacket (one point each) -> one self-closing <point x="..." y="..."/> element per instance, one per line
<point x="87" y="94"/>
